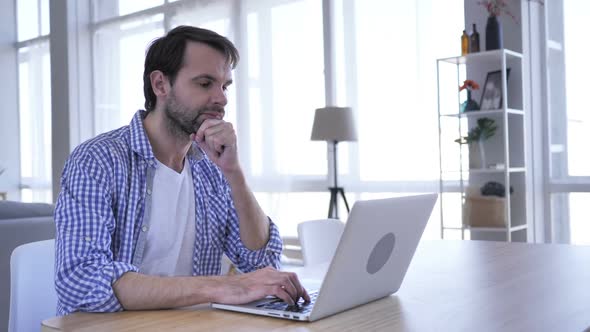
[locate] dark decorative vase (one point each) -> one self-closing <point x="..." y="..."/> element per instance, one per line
<point x="469" y="104"/>
<point x="493" y="34"/>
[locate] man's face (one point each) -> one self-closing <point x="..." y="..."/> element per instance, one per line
<point x="199" y="91"/>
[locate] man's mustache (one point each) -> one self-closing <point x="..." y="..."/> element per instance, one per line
<point x="218" y="110"/>
<point x="209" y="110"/>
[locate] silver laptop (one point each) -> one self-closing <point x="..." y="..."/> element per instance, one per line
<point x="373" y="254"/>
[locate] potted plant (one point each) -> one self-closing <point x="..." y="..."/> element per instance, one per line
<point x="484" y="129"/>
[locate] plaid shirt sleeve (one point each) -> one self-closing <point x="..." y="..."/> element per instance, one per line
<point x="85" y="270"/>
<point x="249" y="260"/>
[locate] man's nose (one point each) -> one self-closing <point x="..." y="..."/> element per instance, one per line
<point x="220" y="97"/>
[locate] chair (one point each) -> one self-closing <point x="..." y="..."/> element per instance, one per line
<point x="32" y="290"/>
<point x="20" y="223"/>
<point x="319" y="239"/>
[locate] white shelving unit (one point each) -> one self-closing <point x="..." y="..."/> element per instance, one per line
<point x="505" y="151"/>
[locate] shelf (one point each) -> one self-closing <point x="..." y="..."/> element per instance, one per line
<point x="506" y="161"/>
<point x="496" y="229"/>
<point x="496" y="170"/>
<point x="483" y="113"/>
<point x="487" y="229"/>
<point x="454" y="228"/>
<point x="481" y="57"/>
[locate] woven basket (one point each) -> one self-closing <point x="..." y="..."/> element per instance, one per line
<point x="484" y="211"/>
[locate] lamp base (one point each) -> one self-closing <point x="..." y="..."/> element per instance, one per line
<point x="333" y="210"/>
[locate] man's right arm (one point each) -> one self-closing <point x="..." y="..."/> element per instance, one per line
<point x="85" y="268"/>
<point x="138" y="291"/>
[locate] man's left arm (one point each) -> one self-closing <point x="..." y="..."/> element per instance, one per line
<point x="253" y="241"/>
<point x="254" y="224"/>
<point x="261" y="244"/>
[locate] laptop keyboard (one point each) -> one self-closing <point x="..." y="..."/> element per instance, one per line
<point x="299" y="307"/>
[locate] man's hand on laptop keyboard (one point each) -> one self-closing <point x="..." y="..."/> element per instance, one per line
<point x="248" y="287"/>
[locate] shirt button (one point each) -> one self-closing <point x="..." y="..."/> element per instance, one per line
<point x="144" y="228"/>
<point x="149" y="191"/>
<point x="88" y="239"/>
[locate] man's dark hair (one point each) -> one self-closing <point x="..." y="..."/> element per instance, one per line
<point x="166" y="54"/>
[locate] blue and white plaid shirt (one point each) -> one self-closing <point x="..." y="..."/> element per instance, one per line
<point x="102" y="216"/>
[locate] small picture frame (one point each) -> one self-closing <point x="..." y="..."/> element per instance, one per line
<point x="491" y="96"/>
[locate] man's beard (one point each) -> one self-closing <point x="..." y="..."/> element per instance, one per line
<point x="182" y="122"/>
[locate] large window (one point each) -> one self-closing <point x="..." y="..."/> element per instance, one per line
<point x="568" y="70"/>
<point x="384" y="56"/>
<point x="577" y="69"/>
<point x="34" y="99"/>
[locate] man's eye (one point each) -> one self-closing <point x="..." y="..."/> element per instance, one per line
<point x="206" y="85"/>
<point x="225" y="87"/>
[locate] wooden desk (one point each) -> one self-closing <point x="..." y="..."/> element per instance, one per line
<point x="450" y="286"/>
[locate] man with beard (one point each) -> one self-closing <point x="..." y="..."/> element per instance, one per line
<point x="146" y="211"/>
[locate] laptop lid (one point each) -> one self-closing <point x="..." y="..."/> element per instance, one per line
<point x="374" y="252"/>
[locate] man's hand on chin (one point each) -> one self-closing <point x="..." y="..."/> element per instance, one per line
<point x="218" y="139"/>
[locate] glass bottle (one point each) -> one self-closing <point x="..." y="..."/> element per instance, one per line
<point x="469" y="104"/>
<point x="474" y="40"/>
<point x="464" y="43"/>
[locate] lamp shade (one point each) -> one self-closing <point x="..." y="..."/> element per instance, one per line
<point x="335" y="124"/>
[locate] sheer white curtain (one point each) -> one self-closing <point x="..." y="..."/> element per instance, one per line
<point x="119" y="50"/>
<point x="285" y="85"/>
<point x="570" y="165"/>
<point x="385" y="69"/>
<point x="35" y="122"/>
<point x="34" y="97"/>
<point x="386" y="55"/>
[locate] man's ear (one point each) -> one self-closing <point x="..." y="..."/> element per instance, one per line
<point x="160" y="83"/>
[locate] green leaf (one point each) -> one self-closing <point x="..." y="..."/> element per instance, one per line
<point x="484" y="129"/>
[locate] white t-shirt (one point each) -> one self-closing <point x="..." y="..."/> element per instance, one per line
<point x="170" y="241"/>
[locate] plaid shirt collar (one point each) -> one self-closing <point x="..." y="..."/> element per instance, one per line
<point x="140" y="143"/>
